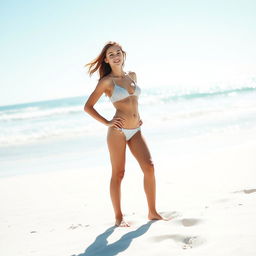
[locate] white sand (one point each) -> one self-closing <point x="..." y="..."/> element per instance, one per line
<point x="211" y="197"/>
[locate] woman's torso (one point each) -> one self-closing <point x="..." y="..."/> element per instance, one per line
<point x="124" y="97"/>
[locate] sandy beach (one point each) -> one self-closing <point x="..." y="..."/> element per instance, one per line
<point x="184" y="71"/>
<point x="210" y="198"/>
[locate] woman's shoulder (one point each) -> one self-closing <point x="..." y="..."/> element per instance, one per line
<point x="106" y="81"/>
<point x="103" y="85"/>
<point x="132" y="74"/>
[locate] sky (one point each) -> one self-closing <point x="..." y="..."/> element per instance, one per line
<point x="45" y="44"/>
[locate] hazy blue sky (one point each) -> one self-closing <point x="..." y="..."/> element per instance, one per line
<point x="44" y="44"/>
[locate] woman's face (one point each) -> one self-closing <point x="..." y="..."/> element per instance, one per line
<point x="114" y="56"/>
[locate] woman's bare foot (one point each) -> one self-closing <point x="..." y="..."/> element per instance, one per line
<point x="121" y="223"/>
<point x="155" y="216"/>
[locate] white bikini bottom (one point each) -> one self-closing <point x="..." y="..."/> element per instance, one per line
<point x="129" y="132"/>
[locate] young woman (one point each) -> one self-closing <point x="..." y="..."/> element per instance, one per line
<point x="124" y="129"/>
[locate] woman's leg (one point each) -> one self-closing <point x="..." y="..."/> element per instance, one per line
<point x="139" y="149"/>
<point x="117" y="147"/>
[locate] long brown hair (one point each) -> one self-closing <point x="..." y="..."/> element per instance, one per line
<point x="99" y="62"/>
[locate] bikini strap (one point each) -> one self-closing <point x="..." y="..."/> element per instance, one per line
<point x="131" y="78"/>
<point x="113" y="81"/>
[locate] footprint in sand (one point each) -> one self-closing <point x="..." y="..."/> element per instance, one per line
<point x="190" y="222"/>
<point x="186" y="242"/>
<point x="170" y="215"/>
<point x="77" y="226"/>
<point x="222" y="200"/>
<point x="192" y="241"/>
<point x="246" y="191"/>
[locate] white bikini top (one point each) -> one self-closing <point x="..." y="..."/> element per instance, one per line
<point x="120" y="93"/>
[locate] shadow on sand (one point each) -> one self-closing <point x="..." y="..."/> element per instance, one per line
<point x="100" y="246"/>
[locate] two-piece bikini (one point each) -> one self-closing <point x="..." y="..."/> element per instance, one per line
<point x="120" y="93"/>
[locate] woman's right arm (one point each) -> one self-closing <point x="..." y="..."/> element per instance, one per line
<point x="92" y="100"/>
<point x="101" y="87"/>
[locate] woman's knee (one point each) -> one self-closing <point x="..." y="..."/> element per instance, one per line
<point x="118" y="175"/>
<point x="148" y="167"/>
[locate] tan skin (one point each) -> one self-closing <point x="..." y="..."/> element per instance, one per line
<point x="126" y="116"/>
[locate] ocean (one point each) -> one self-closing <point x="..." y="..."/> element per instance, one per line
<point x="57" y="134"/>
